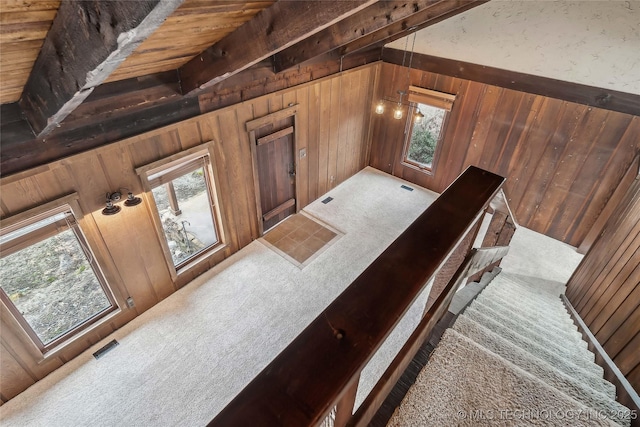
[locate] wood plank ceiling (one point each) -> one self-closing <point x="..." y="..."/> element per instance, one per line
<point x="54" y="54"/>
<point x="194" y="26"/>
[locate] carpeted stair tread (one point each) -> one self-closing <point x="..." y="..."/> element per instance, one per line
<point x="550" y="354"/>
<point x="533" y="284"/>
<point x="547" y="331"/>
<point x="538" y="318"/>
<point x="555" y="311"/>
<point x="476" y="380"/>
<point x="528" y="310"/>
<point x="592" y="391"/>
<point x="553" y="289"/>
<point x="552" y="315"/>
<point x="577" y="355"/>
<point x="524" y="293"/>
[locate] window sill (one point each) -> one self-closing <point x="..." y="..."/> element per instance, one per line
<point x="203" y="257"/>
<point x="55" y="351"/>
<point x="424" y="169"/>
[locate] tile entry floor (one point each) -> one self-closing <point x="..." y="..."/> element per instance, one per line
<point x="300" y="238"/>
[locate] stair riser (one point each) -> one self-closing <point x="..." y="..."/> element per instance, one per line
<point x="589" y="384"/>
<point x="554" y="308"/>
<point x="538" y="317"/>
<point x="546" y="340"/>
<point x="520" y="340"/>
<point x="537" y="325"/>
<point x="462" y="376"/>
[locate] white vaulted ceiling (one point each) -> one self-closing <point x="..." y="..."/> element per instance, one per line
<point x="595" y="43"/>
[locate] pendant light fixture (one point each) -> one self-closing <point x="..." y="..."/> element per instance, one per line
<point x="417" y="118"/>
<point x="398" y="111"/>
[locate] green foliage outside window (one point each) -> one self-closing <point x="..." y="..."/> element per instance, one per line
<point x="425" y="135"/>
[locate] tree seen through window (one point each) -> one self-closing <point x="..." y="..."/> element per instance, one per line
<point x="425" y="136"/>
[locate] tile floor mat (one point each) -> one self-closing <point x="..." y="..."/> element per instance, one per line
<point x="300" y="238"/>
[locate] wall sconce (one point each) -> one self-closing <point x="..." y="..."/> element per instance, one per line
<point x="417" y="118"/>
<point x="380" y="107"/>
<point x="112" y="209"/>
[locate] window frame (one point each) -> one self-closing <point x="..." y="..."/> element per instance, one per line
<point x="179" y="161"/>
<point x="441" y="100"/>
<point x="69" y="204"/>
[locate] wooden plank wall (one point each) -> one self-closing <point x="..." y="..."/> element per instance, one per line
<point x="605" y="288"/>
<point x="333" y="122"/>
<point x="562" y="160"/>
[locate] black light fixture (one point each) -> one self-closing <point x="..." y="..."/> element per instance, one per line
<point x="132" y="200"/>
<point x="111" y="208"/>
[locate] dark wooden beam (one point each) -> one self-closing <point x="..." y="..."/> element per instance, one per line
<point x="426" y="17"/>
<point x="375" y="17"/>
<point x="270" y="31"/>
<point x="122" y="109"/>
<point x="573" y="92"/>
<point x="87" y="41"/>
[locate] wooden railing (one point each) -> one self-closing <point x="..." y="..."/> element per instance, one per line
<point x="320" y="370"/>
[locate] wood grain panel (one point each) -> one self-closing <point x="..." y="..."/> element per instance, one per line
<point x="13" y="377"/>
<point x="606" y="286"/>
<point x="133" y="261"/>
<point x="562" y="160"/>
<point x="24" y="27"/>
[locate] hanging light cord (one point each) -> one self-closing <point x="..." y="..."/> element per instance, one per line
<point x="410" y="58"/>
<point x="404" y="55"/>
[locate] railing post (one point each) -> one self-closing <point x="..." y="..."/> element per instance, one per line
<point x="450" y="267"/>
<point x="173" y="200"/>
<point x="344" y="409"/>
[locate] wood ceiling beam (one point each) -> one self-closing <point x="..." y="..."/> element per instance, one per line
<point x="436" y="12"/>
<point x="87" y="41"/>
<point x="270" y="31"/>
<point x="374" y="18"/>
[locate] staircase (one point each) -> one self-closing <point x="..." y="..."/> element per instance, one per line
<point x="513" y="357"/>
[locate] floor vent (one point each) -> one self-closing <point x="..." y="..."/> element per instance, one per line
<point x="406" y="187"/>
<point x="98" y="354"/>
<point x="327" y="200"/>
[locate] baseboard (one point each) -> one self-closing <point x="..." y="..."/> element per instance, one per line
<point x="625" y="392"/>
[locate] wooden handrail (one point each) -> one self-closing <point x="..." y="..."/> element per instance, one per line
<point x="303" y="383"/>
<point x="476" y="261"/>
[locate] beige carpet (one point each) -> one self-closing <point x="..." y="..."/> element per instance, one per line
<point x="512" y="358"/>
<point x="182" y="361"/>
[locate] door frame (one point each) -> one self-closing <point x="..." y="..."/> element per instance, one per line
<point x="252" y="126"/>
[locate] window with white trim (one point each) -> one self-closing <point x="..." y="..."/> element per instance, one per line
<point x="187" y="212"/>
<point x="426" y="123"/>
<point x="49" y="278"/>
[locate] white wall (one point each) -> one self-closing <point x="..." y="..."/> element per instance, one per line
<point x="596" y="43"/>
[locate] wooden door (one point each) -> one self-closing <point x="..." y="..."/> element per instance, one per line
<point x="276" y="170"/>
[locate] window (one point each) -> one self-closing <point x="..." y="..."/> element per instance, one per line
<point x="49" y="277"/>
<point x="184" y="197"/>
<point x="425" y="135"/>
<point x="426" y="123"/>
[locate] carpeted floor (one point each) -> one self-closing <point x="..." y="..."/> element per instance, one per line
<point x="182" y="361"/>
